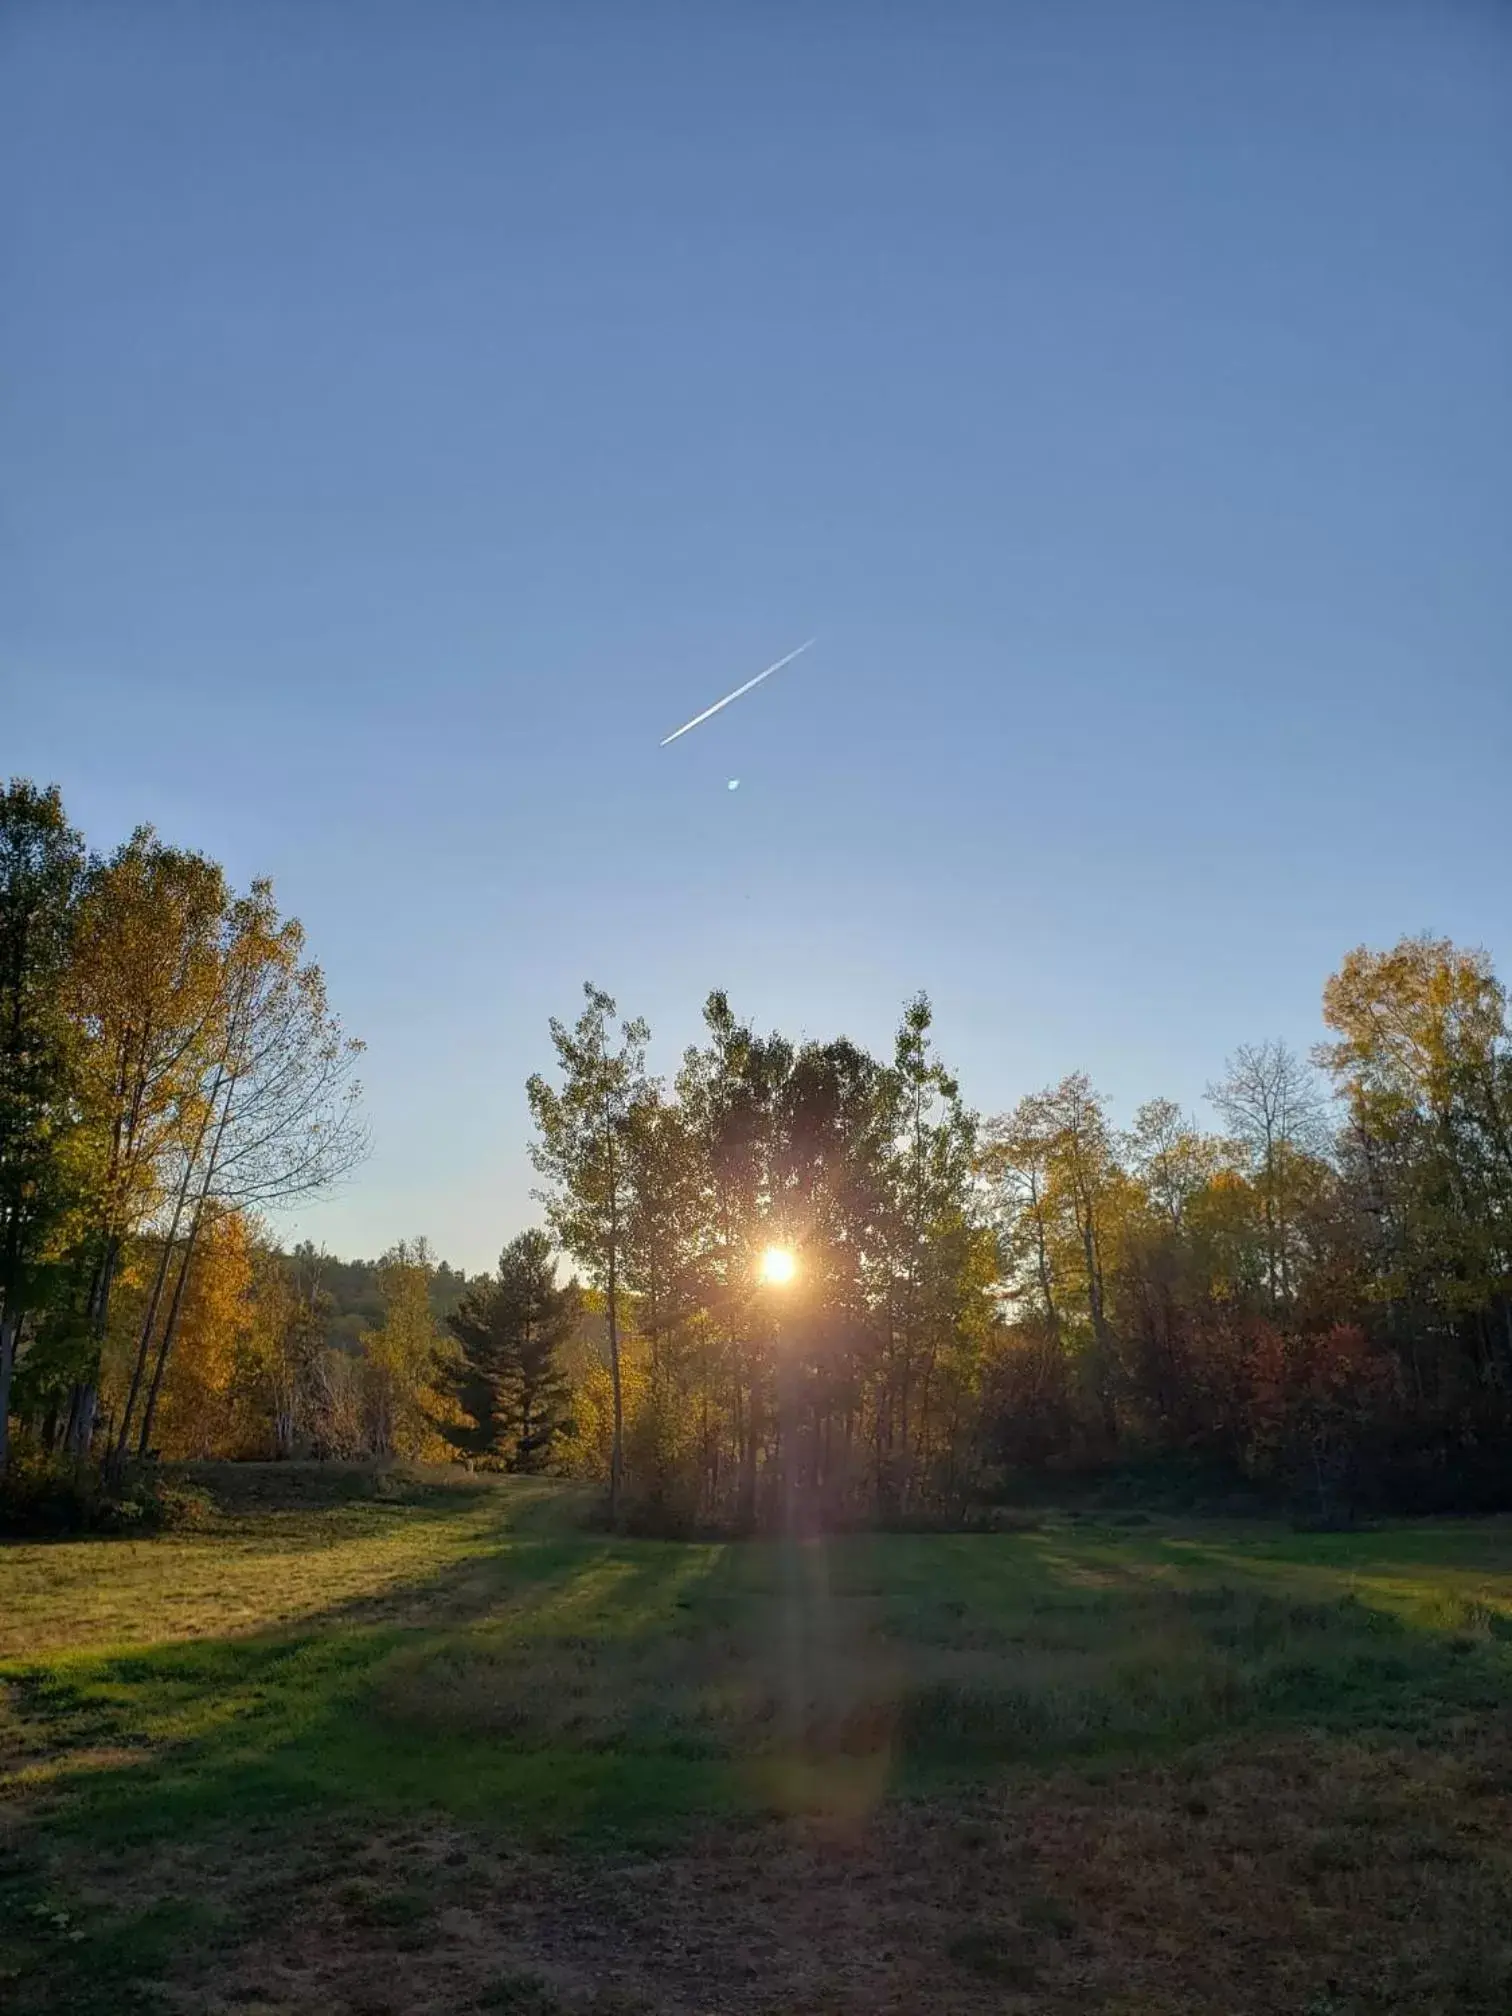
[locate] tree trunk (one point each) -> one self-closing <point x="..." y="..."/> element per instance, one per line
<point x="617" y="1451"/>
<point x="9" y="1328"/>
<point x="144" y="1340"/>
<point x="746" y="1508"/>
<point x="81" y="1418"/>
<point x="1100" y="1332"/>
<point x="85" y="1400"/>
<point x="166" y="1344"/>
<point x="229" y="1079"/>
<point x="149" y="1320"/>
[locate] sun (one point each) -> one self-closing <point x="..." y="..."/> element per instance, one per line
<point x="778" y="1266"/>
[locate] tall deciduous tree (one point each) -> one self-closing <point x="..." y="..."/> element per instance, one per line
<point x="285" y="1335"/>
<point x="1423" y="1058"/>
<point x="582" y="1150"/>
<point x="1016" y="1163"/>
<point x="196" y="1414"/>
<point x="276" y="1117"/>
<point x="143" y="989"/>
<point x="1171" y="1158"/>
<point x="1271" y="1104"/>
<point x="933" y="1235"/>
<point x="408" y="1357"/>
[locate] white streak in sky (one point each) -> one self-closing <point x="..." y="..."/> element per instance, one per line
<point x="700" y="718"/>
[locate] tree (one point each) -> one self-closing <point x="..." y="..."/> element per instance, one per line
<point x="408" y="1357"/>
<point x="142" y="989"/>
<point x="1170" y="1158"/>
<point x="1273" y="1110"/>
<point x="511" y="1383"/>
<point x="195" y="1417"/>
<point x="583" y="1153"/>
<point x="734" y="1094"/>
<point x="1062" y="1194"/>
<point x="1423" y="1060"/>
<point x="1016" y="1162"/>
<point x="276" y="1118"/>
<point x="41" y="864"/>
<point x="1316" y="1403"/>
<point x="934" y="1235"/>
<point x="279" y="1373"/>
<point x="666" y="1231"/>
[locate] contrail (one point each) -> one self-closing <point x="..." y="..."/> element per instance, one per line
<point x="698" y="718"/>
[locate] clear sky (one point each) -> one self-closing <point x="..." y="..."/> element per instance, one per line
<point x="410" y="414"/>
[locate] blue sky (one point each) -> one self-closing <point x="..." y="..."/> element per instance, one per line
<point x="410" y="414"/>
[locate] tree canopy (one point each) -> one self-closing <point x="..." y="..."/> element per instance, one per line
<point x="1313" y="1295"/>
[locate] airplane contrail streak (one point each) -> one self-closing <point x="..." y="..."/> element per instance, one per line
<point x="698" y="719"/>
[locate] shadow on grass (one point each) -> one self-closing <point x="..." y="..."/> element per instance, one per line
<point x="162" y="1739"/>
<point x="556" y="1685"/>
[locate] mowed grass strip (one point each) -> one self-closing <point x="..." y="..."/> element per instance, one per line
<point x="466" y="1646"/>
<point x="274" y="1552"/>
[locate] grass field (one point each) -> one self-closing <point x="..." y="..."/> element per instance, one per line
<point x="442" y="1749"/>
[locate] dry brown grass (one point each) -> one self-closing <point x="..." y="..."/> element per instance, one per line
<point x="1293" y="1877"/>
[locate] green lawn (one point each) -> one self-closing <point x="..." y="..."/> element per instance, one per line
<point x="445" y="1749"/>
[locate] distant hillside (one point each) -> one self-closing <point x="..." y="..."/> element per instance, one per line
<point x="356" y="1302"/>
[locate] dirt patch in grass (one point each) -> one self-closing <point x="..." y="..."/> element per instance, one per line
<point x="1263" y="1878"/>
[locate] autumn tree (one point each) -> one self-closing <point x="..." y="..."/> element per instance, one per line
<point x="1274" y="1112"/>
<point x="276" y="1116"/>
<point x="196" y="1414"/>
<point x="666" y="1233"/>
<point x="1317" y="1403"/>
<point x="408" y="1358"/>
<point x="1171" y="1158"/>
<point x="279" y="1372"/>
<point x="1016" y="1161"/>
<point x="1062" y="1191"/>
<point x="583" y="1129"/>
<point x="1422" y="1058"/>
<point x="934" y="1236"/>
<point x="732" y="1093"/>
<point x="142" y="990"/>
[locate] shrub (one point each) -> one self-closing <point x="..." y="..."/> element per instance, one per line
<point x="44" y="1497"/>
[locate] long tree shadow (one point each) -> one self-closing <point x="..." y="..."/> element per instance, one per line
<point x="559" y="1682"/>
<point x="196" y="1732"/>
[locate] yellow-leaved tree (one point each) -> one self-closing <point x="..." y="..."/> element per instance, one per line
<point x="406" y="1361"/>
<point x="196" y="1414"/>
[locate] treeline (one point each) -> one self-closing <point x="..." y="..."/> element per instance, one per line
<point x="170" y="1072"/>
<point x="1315" y="1298"/>
<point x="351" y="1292"/>
<point x="169" y="1067"/>
<point x="301" y="1355"/>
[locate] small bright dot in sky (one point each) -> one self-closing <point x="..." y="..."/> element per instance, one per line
<point x="733" y="785"/>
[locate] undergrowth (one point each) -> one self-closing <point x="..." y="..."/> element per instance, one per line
<point x="44" y="1495"/>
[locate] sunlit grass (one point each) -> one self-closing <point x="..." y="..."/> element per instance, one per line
<point x="244" y="1572"/>
<point x="335" y="1642"/>
<point x="464" y="1649"/>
